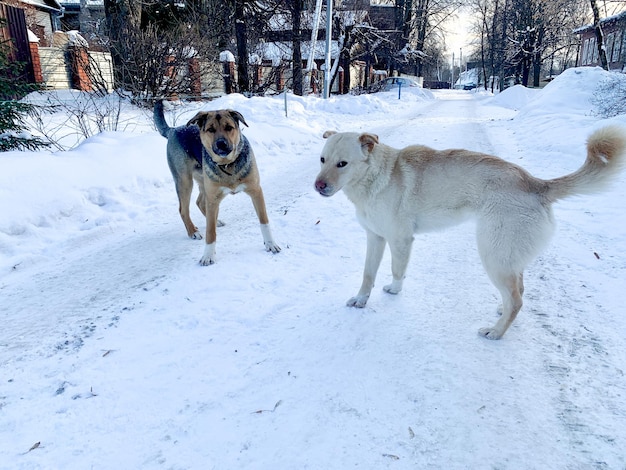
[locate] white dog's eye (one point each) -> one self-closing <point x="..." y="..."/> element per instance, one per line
<point x="323" y="160"/>
<point x="341" y="164"/>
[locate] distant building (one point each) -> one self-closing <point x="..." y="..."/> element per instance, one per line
<point x="85" y="16"/>
<point x="614" y="29"/>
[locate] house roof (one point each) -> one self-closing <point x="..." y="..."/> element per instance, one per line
<point x="97" y="3"/>
<point x="603" y="22"/>
<point x="50" y="5"/>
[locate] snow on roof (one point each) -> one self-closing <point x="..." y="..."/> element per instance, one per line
<point x="44" y="4"/>
<point x="88" y="2"/>
<point x="608" y="19"/>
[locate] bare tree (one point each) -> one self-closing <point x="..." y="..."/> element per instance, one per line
<point x="517" y="36"/>
<point x="599" y="35"/>
<point x="422" y="22"/>
<point x="161" y="59"/>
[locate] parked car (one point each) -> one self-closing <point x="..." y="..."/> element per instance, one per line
<point x="392" y="83"/>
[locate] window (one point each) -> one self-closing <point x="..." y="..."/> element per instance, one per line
<point x="617" y="47"/>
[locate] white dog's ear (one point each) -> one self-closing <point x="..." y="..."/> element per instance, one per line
<point x="368" y="140"/>
<point x="327" y="134"/>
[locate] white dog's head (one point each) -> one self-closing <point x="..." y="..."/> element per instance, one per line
<point x="343" y="159"/>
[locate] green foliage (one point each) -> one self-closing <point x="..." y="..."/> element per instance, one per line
<point x="14" y="133"/>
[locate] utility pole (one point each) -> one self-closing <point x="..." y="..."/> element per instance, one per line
<point x="452" y="81"/>
<point x="329" y="27"/>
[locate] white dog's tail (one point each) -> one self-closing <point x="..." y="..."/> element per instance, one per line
<point x="605" y="159"/>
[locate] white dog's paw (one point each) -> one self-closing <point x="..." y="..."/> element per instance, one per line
<point x="196" y="235"/>
<point x="490" y="333"/>
<point x="393" y="288"/>
<point x="208" y="256"/>
<point x="271" y="246"/>
<point x="358" y="301"/>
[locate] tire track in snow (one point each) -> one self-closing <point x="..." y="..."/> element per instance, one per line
<point x="60" y="305"/>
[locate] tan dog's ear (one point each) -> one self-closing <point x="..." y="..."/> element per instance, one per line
<point x="327" y="134"/>
<point x="368" y="140"/>
<point x="199" y="119"/>
<point x="237" y="116"/>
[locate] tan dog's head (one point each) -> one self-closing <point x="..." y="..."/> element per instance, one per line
<point x="219" y="133"/>
<point x="343" y="159"/>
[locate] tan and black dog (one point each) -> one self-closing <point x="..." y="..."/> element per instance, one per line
<point x="211" y="150"/>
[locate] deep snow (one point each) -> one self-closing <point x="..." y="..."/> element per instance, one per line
<point x="118" y="351"/>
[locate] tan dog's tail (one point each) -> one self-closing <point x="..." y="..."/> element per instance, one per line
<point x="159" y="119"/>
<point x="605" y="159"/>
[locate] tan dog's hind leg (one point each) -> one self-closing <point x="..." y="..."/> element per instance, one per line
<point x="256" y="194"/>
<point x="511" y="288"/>
<point x="184" y="187"/>
<point x="201" y="203"/>
<point x="375" y="250"/>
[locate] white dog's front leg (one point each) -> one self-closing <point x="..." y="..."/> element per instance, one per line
<point x="375" y="250"/>
<point x="268" y="239"/>
<point x="208" y="256"/>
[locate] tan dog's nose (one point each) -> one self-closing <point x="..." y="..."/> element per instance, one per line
<point x="222" y="147"/>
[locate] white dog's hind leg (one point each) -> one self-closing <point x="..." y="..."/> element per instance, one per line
<point x="500" y="308"/>
<point x="375" y="250"/>
<point x="400" y="254"/>
<point x="511" y="288"/>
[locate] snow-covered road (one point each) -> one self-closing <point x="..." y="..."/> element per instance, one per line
<point x="118" y="351"/>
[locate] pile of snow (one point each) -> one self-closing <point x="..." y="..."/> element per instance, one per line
<point x="515" y="97"/>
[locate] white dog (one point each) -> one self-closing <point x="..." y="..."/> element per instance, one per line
<point x="401" y="192"/>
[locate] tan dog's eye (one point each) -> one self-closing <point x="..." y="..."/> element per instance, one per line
<point x="341" y="164"/>
<point x="211" y="130"/>
<point x="228" y="128"/>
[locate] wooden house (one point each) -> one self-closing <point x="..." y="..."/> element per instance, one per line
<point x="614" y="30"/>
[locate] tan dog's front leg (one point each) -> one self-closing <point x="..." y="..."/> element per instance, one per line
<point x="213" y="200"/>
<point x="258" y="200"/>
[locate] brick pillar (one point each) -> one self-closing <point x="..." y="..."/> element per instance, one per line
<point x="34" y="54"/>
<point x="193" y="67"/>
<point x="79" y="63"/>
<point x="280" y="78"/>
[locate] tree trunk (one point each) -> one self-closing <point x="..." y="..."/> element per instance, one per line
<point x="241" y="34"/>
<point x="422" y="26"/>
<point x="296" y="11"/>
<point x="537" y="57"/>
<point x="599" y="36"/>
<point x="121" y="16"/>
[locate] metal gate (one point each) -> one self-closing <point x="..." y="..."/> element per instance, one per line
<point x="14" y="35"/>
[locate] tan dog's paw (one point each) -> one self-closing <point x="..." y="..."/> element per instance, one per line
<point x="268" y="239"/>
<point x="271" y="246"/>
<point x="196" y="235"/>
<point x="208" y="257"/>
